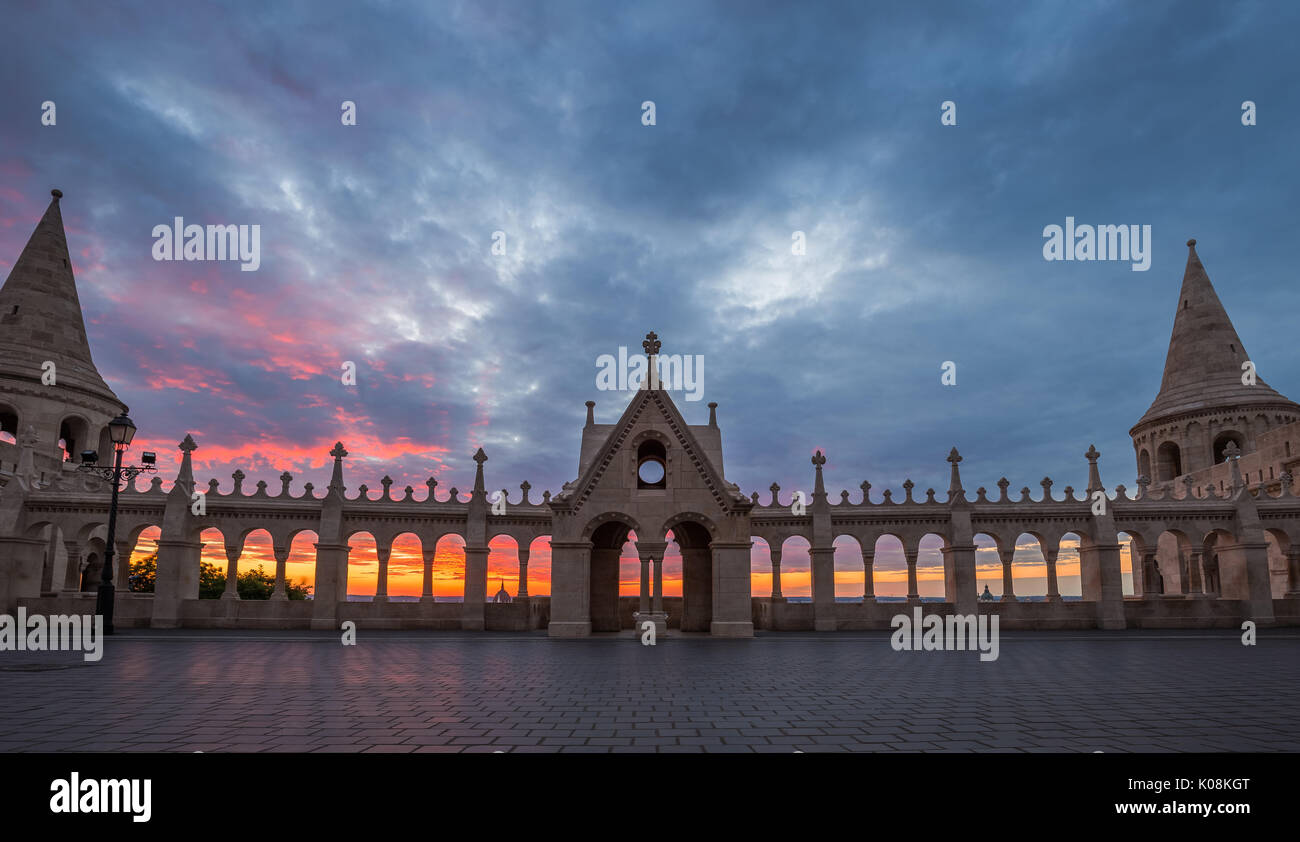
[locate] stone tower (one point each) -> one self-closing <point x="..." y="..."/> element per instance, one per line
<point x="1205" y="399"/>
<point x="41" y="323"/>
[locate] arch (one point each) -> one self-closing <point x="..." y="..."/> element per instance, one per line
<point x="539" y="566"/>
<point x="691" y="539"/>
<point x="1069" y="562"/>
<point x="696" y="518"/>
<point x="1210" y="580"/>
<point x="1144" y="463"/>
<point x="74" y="437"/>
<point x="1173" y="550"/>
<point x="599" y="520"/>
<point x="760" y="566"/>
<point x="1221" y="443"/>
<point x="1169" y="462"/>
<point x="1130" y="560"/>
<point x="931" y="566"/>
<point x="849" y="575"/>
<point x="9" y="421"/>
<point x="300" y="567"/>
<point x="212" y="563"/>
<point x="1029" y="565"/>
<point x="890" y="567"/>
<point x="449" y="567"/>
<point x="257" y="553"/>
<point x="363" y="565"/>
<point x="502" y="564"/>
<point x="608" y="553"/>
<point x="796" y="568"/>
<point x="988" y="564"/>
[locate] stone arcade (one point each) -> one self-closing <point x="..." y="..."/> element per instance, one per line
<point x="1217" y="530"/>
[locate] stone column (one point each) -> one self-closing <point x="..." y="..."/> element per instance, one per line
<point x="1053" y="594"/>
<point x="733" y="607"/>
<point x="1184" y="576"/>
<point x="331" y="584"/>
<point x="122" y="566"/>
<point x="1151" y="581"/>
<point x="381" y="583"/>
<point x="776" y="576"/>
<point x="232" y="571"/>
<point x="644" y="605"/>
<point x="1008" y="581"/>
<point x="657" y="605"/>
<point x="1137" y="565"/>
<point x="868" y="576"/>
<point x="1197" y="559"/>
<point x="570" y="589"/>
<point x="1292" y="572"/>
<point x="473" y="618"/>
<point x="71" y="579"/>
<point x="823" y="587"/>
<point x="523" y="573"/>
<point x="426" y="594"/>
<point x="913" y="593"/>
<point x="280" y="591"/>
<point x="961" y="585"/>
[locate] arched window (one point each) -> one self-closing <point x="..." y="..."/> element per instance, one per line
<point x="651" y="465"/>
<point x="8" y="424"/>
<point x="73" y="435"/>
<point x="1144" y="464"/>
<point x="1169" y="462"/>
<point x="1221" y="443"/>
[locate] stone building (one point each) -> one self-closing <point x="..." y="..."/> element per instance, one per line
<point x="1214" y="528"/>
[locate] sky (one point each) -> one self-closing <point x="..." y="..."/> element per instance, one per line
<point x="924" y="241"/>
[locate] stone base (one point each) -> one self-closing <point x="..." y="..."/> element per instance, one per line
<point x="731" y="629"/>
<point x="569" y="628"/>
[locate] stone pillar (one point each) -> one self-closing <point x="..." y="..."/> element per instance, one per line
<point x="476" y="558"/>
<point x="1183" y="573"/>
<point x="426" y="594"/>
<point x="20" y="570"/>
<point x="233" y="553"/>
<point x="657" y="602"/>
<point x="1243" y="575"/>
<point x="913" y="594"/>
<point x="178" y="580"/>
<point x="570" y="589"/>
<point x="71" y="578"/>
<point x="1101" y="576"/>
<point x="523" y="574"/>
<point x="1195" y="562"/>
<point x="964" y="590"/>
<point x="1152" y="581"/>
<point x="823" y="587"/>
<point x="868" y="576"/>
<point x="49" y="577"/>
<point x="1293" y="572"/>
<point x="280" y="591"/>
<point x="644" y="605"/>
<point x="381" y="581"/>
<point x="1008" y="581"/>
<point x="777" y="596"/>
<point x="1137" y="566"/>
<point x="331" y="584"/>
<point x="733" y="608"/>
<point x="122" y="566"/>
<point x="1053" y="593"/>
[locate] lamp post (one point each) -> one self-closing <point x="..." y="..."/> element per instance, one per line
<point x="121" y="431"/>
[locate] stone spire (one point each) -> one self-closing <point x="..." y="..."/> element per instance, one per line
<point x="40" y="313"/>
<point x="1203" y="368"/>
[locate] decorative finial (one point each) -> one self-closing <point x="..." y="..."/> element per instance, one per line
<point x="479" y="456"/>
<point x="953" y="456"/>
<point x="818" y="460"/>
<point x="338" y="452"/>
<point x="1232" y="451"/>
<point x="1092" y="453"/>
<point x="188" y="445"/>
<point x="56" y="193"/>
<point x="651" y="344"/>
<point x="1191" y="243"/>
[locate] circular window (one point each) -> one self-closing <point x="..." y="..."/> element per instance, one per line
<point x="651" y="471"/>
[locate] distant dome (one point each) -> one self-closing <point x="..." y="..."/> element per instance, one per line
<point x="987" y="595"/>
<point x="501" y="595"/>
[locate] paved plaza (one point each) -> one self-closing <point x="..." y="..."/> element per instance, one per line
<point x="241" y="691"/>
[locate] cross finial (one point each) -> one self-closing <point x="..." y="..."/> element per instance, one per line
<point x="651" y="344"/>
<point x="188" y="446"/>
<point x="338" y="452"/>
<point x="818" y="459"/>
<point x="1232" y="451"/>
<point x="954" y="457"/>
<point x="1092" y="453"/>
<point x="479" y="456"/>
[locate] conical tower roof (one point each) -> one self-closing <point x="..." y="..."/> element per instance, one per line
<point x="40" y="314"/>
<point x="1203" y="369"/>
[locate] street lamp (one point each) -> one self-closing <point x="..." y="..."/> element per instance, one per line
<point x="121" y="431"/>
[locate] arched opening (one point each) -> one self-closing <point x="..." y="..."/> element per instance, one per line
<point x="8" y="424"/>
<point x="696" y="577"/>
<point x="406" y="568"/>
<point x="651" y="465"/>
<point x="850" y="575"/>
<point x="760" y="566"/>
<point x="1169" y="462"/>
<point x="363" y="566"/>
<point x="1130" y="561"/>
<point x="796" y="569"/>
<point x="301" y="566"/>
<point x="257" y="566"/>
<point x="931" y="574"/>
<point x="212" y="564"/>
<point x="1029" y="567"/>
<point x="1221" y="444"/>
<point x="539" y="566"/>
<point x="608" y="543"/>
<point x="890" y="568"/>
<point x="74" y="437"/>
<point x="1144" y="464"/>
<point x="1173" y="560"/>
<point x="502" y="568"/>
<point x="1069" y="578"/>
<point x="988" y="566"/>
<point x="449" y="568"/>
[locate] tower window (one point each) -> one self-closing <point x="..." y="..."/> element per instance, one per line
<point x="651" y="465"/>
